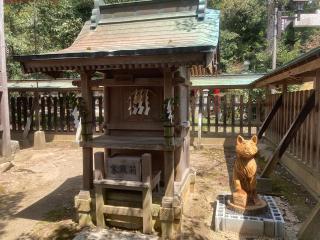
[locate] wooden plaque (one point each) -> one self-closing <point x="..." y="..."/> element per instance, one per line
<point x="124" y="168"/>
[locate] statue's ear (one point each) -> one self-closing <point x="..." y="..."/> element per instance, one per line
<point x="240" y="139"/>
<point x="254" y="139"/>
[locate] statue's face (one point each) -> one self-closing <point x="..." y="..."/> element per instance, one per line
<point x="247" y="148"/>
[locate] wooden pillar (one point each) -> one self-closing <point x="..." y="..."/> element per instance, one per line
<point x="169" y="155"/>
<point x="188" y="142"/>
<point x="166" y="212"/>
<point x="200" y="118"/>
<point x="4" y="101"/>
<point x="317" y="120"/>
<point x="181" y="154"/>
<point x="241" y="110"/>
<point x="147" y="193"/>
<point x="284" y="119"/>
<point x="258" y="116"/>
<point x="99" y="207"/>
<point x="268" y="106"/>
<point x="208" y="112"/>
<point x="99" y="173"/>
<point x="87" y="130"/>
<point x="106" y="107"/>
<point x="249" y="105"/>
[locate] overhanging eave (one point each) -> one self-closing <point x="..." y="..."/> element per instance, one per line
<point x="101" y="61"/>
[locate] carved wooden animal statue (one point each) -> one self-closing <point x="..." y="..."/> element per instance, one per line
<point x="244" y="173"/>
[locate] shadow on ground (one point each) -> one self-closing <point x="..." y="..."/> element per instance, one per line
<point x="60" y="232"/>
<point x="9" y="205"/>
<point x="54" y="212"/>
<point x="51" y="207"/>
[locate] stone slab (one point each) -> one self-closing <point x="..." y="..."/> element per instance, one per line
<point x="15" y="147"/>
<point x="270" y="224"/>
<point x="39" y="142"/>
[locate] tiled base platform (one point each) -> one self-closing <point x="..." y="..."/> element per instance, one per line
<point x="269" y="224"/>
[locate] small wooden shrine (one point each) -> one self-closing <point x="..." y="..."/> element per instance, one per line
<point x="145" y="50"/>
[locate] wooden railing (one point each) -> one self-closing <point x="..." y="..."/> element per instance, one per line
<point x="55" y="113"/>
<point x="305" y="146"/>
<point x="226" y="115"/>
<point x="221" y="115"/>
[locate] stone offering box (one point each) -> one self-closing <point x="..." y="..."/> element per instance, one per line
<point x="269" y="224"/>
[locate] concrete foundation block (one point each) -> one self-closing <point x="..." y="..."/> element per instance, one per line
<point x="248" y="227"/>
<point x="166" y="214"/>
<point x="269" y="228"/>
<point x="39" y="140"/>
<point x="279" y="230"/>
<point x="83" y="206"/>
<point x="220" y="212"/>
<point x="82" y="201"/>
<point x="14" y="146"/>
<point x="84" y="220"/>
<point x="269" y="224"/>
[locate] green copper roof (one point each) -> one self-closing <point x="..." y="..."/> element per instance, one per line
<point x="166" y="29"/>
<point x="225" y="81"/>
<point x="156" y="33"/>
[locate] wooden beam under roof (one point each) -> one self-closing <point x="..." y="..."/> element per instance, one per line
<point x="292" y="73"/>
<point x="107" y="63"/>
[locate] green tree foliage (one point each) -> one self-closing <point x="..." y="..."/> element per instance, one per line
<point x="42" y="26"/>
<point x="243" y="35"/>
<point x="39" y="26"/>
<point x="243" y="30"/>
